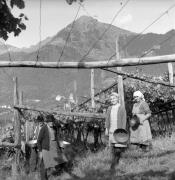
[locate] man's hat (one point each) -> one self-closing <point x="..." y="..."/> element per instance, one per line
<point x="50" y="118"/>
<point x="40" y="118"/>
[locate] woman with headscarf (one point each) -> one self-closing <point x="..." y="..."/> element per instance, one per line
<point x="142" y="134"/>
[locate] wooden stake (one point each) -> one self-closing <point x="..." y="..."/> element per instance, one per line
<point x="75" y="91"/>
<point x="16" y="114"/>
<point x="170" y="72"/>
<point x="120" y="78"/>
<point x="17" y="128"/>
<point x="92" y="89"/>
<point x="21" y="98"/>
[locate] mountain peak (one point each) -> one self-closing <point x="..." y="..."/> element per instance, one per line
<point x="84" y="22"/>
<point x="85" y="19"/>
<point x="172" y="31"/>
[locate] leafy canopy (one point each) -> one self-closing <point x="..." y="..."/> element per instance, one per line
<point x="71" y="1"/>
<point x="8" y="22"/>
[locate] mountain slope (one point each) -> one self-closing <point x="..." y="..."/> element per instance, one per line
<point x="45" y="84"/>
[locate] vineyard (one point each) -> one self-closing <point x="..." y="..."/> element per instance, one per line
<point x="76" y="128"/>
<point x="83" y="126"/>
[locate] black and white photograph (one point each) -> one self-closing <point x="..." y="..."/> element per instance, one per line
<point x="87" y="90"/>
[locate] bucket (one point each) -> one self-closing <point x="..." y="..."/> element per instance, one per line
<point x="63" y="144"/>
<point x="134" y="122"/>
<point x="32" y="143"/>
<point x="121" y="136"/>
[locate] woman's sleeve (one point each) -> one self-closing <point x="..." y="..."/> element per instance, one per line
<point x="133" y="110"/>
<point x="146" y="108"/>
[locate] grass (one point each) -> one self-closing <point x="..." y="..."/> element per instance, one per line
<point x="159" y="164"/>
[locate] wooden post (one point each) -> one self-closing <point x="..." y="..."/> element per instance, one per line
<point x="21" y="98"/>
<point x="16" y="114"/>
<point x="170" y="72"/>
<point x="92" y="89"/>
<point x="120" y="79"/>
<point x="26" y="125"/>
<point x="75" y="91"/>
<point x="20" y="104"/>
<point x="17" y="128"/>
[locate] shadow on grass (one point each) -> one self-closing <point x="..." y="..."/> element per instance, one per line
<point x="162" y="154"/>
<point x="148" y="154"/>
<point x="106" y="175"/>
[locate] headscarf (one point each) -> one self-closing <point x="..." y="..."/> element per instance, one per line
<point x="114" y="94"/>
<point x="139" y="94"/>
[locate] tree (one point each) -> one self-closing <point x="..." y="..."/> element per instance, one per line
<point x="71" y="1"/>
<point x="8" y="22"/>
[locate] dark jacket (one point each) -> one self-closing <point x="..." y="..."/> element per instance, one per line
<point x="121" y="118"/>
<point x="43" y="140"/>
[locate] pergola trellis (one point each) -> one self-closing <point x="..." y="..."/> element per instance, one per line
<point x="119" y="62"/>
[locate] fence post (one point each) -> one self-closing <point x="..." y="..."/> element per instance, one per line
<point x="20" y="104"/>
<point x="170" y="72"/>
<point x="92" y="89"/>
<point x="17" y="129"/>
<point x="120" y="78"/>
<point x="21" y="98"/>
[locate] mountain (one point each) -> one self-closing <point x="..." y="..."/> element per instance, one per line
<point x="45" y="84"/>
<point x="151" y="45"/>
<point x="6" y="48"/>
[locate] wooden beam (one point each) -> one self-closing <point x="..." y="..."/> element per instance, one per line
<point x="140" y="78"/>
<point x="66" y="113"/>
<point x="94" y="64"/>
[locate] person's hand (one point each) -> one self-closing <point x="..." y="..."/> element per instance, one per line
<point x="106" y="132"/>
<point x="40" y="155"/>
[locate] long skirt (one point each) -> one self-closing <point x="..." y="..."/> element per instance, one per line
<point x="142" y="134"/>
<point x="50" y="157"/>
<point x="54" y="156"/>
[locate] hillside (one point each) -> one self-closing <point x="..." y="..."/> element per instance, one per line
<point x="45" y="84"/>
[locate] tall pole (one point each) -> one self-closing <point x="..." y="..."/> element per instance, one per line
<point x="120" y="79"/>
<point x="75" y="91"/>
<point x="17" y="128"/>
<point x="92" y="89"/>
<point x="16" y="114"/>
<point x="21" y="98"/>
<point x="170" y="73"/>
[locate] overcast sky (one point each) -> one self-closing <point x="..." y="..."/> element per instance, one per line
<point x="56" y="14"/>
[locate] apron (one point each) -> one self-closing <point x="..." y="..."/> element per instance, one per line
<point x="142" y="135"/>
<point x="113" y="127"/>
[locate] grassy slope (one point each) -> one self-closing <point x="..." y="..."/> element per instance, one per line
<point x="159" y="164"/>
<point x="156" y="164"/>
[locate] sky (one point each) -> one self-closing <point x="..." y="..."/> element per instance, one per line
<point x="57" y="14"/>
